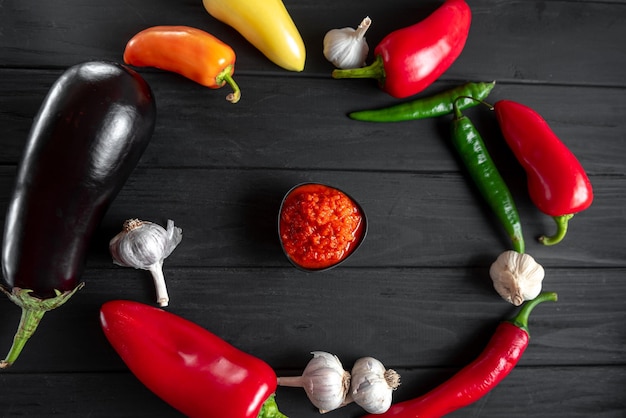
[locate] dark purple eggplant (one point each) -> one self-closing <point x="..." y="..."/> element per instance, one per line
<point x="85" y="141"/>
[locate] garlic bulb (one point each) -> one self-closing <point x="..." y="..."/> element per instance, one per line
<point x="516" y="277"/>
<point x="371" y="386"/>
<point x="144" y="245"/>
<point x="324" y="380"/>
<point x="347" y="47"/>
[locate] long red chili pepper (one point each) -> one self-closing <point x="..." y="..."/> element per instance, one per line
<point x="410" y="59"/>
<point x="475" y="380"/>
<point x="557" y="183"/>
<point x="188" y="367"/>
<point x="190" y="52"/>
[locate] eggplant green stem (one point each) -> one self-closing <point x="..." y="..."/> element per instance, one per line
<point x="226" y="77"/>
<point x="33" y="310"/>
<point x="521" y="319"/>
<point x="561" y="230"/>
<point x="374" y="70"/>
<point x="270" y="409"/>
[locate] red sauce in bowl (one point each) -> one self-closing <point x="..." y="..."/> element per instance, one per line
<point x="319" y="226"/>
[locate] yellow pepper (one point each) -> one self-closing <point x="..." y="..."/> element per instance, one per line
<point x="267" y="25"/>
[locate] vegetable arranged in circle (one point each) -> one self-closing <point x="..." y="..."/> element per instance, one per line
<point x="190" y="52"/>
<point x="347" y="47"/>
<point x="480" y="166"/>
<point x="145" y="245"/>
<point x="87" y="137"/>
<point x="410" y="59"/>
<point x="320" y="226"/>
<point x="190" y="368"/>
<point x="324" y="380"/>
<point x="516" y="277"/>
<point x="464" y="96"/>
<point x="265" y="24"/>
<point x="557" y="183"/>
<point x="474" y="381"/>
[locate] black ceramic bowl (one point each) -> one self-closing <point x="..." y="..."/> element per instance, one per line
<point x="320" y="226"/>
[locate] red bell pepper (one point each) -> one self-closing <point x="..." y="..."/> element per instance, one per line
<point x="557" y="183"/>
<point x="188" y="367"/>
<point x="410" y="59"/>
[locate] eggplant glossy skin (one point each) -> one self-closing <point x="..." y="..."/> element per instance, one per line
<point x="85" y="141"/>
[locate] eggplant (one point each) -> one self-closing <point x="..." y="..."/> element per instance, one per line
<point x="87" y="137"/>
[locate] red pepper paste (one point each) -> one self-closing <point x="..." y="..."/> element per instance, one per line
<point x="319" y="226"/>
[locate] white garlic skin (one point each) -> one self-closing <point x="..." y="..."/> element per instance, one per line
<point x="142" y="244"/>
<point x="347" y="48"/>
<point x="325" y="381"/>
<point x="372" y="386"/>
<point x="516" y="277"/>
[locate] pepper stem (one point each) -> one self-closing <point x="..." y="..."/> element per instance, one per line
<point x="226" y="77"/>
<point x="456" y="108"/>
<point x="270" y="409"/>
<point x="521" y="319"/>
<point x="33" y="310"/>
<point x="466" y="100"/>
<point x="561" y="230"/>
<point x="374" y="70"/>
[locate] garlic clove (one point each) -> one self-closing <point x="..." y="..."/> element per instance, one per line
<point x="372" y="386"/>
<point x="144" y="245"/>
<point x="346" y="47"/>
<point x="324" y="380"/>
<point x="516" y="277"/>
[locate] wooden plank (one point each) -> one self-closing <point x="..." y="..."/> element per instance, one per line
<point x="565" y="392"/>
<point x="560" y="50"/>
<point x="265" y="128"/>
<point x="230" y="218"/>
<point x="437" y="317"/>
<point x="417" y="295"/>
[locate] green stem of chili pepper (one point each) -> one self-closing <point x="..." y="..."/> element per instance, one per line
<point x="270" y="409"/>
<point x="225" y="77"/>
<point x="471" y="148"/>
<point x="375" y="70"/>
<point x="561" y="229"/>
<point x="520" y="320"/>
<point x="474" y="381"/>
<point x="440" y="104"/>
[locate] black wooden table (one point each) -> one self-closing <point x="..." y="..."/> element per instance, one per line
<point x="417" y="295"/>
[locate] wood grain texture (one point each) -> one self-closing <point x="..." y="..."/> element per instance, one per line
<point x="528" y="391"/>
<point x="430" y="316"/>
<point x="198" y="128"/>
<point x="417" y="294"/>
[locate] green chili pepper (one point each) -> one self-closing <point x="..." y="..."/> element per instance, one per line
<point x="471" y="148"/>
<point x="428" y="107"/>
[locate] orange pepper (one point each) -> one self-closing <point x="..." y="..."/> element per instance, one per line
<point x="190" y="52"/>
